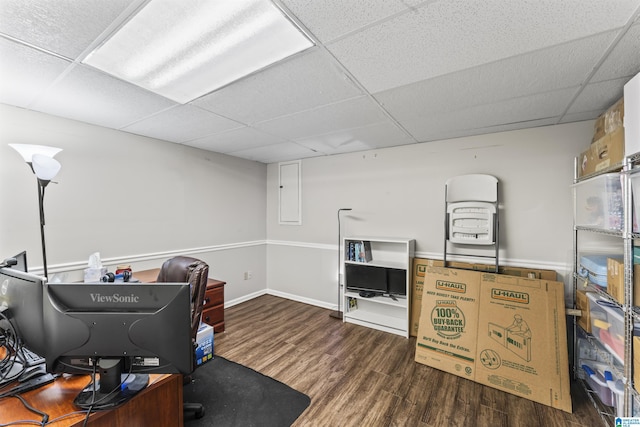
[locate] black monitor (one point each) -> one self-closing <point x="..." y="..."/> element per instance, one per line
<point x="21" y="301"/>
<point x="21" y="322"/>
<point x="122" y="331"/>
<point x="369" y="280"/>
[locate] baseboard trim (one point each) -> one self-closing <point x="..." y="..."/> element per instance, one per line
<point x="245" y="298"/>
<point x="310" y="301"/>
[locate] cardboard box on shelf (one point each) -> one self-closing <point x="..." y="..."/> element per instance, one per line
<point x="609" y="121"/>
<point x="502" y="331"/>
<point x="421" y="264"/>
<point x="636" y="363"/>
<point x="604" y="153"/>
<point x="582" y="304"/>
<point x="615" y="280"/>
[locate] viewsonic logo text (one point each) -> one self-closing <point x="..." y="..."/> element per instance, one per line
<point x="115" y="298"/>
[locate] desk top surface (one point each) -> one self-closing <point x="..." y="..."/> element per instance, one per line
<point x="56" y="400"/>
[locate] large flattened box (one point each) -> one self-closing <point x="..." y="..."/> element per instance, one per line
<point x="502" y="331"/>
<point x="448" y="326"/>
<point x="522" y="339"/>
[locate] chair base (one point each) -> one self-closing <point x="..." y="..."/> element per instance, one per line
<point x="196" y="408"/>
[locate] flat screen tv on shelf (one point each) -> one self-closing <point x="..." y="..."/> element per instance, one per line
<point x="367" y="280"/>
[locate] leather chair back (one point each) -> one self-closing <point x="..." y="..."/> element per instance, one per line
<point x="194" y="271"/>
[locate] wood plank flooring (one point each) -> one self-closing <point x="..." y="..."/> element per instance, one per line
<point x="356" y="376"/>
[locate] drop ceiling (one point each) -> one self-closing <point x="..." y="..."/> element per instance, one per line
<point x="382" y="73"/>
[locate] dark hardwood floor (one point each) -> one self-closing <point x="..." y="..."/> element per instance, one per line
<point x="358" y="376"/>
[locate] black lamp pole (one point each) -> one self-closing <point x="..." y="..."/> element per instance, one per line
<point x="41" y="186"/>
<point x="338" y="314"/>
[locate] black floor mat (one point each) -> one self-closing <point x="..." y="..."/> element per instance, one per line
<point x="234" y="395"/>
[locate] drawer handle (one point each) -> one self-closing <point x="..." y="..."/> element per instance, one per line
<point x="207" y="319"/>
<point x="207" y="300"/>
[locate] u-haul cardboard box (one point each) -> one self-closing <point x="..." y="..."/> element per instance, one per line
<point x="502" y="331"/>
<point x="448" y="326"/>
<point x="420" y="266"/>
<point x="522" y="339"/>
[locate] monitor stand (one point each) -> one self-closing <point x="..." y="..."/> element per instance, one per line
<point x="367" y="294"/>
<point x="112" y="389"/>
<point x="11" y="373"/>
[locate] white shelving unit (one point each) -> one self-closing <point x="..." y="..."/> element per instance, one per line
<point x="628" y="238"/>
<point x="388" y="258"/>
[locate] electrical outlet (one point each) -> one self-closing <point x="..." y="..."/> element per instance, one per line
<point x="248" y="275"/>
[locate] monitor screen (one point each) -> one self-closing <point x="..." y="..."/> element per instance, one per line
<point x="366" y="278"/>
<point x="397" y="281"/>
<point x="21" y="300"/>
<point x="125" y="329"/>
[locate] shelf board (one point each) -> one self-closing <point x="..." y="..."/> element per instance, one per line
<point x="386" y="300"/>
<point x="378" y="263"/>
<point x="377" y="321"/>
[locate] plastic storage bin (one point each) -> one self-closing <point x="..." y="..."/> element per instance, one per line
<point x="596" y="380"/>
<point x="599" y="202"/>
<point x="594" y="266"/>
<point x="607" y="324"/>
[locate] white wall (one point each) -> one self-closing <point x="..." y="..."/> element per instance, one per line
<point x="400" y="192"/>
<point x="140" y="200"/>
<point x="133" y="199"/>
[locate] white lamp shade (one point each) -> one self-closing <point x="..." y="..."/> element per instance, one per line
<point x="27" y="151"/>
<point x="45" y="167"/>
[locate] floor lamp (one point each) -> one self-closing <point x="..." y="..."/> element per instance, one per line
<point x="338" y="314"/>
<point x="45" y="167"/>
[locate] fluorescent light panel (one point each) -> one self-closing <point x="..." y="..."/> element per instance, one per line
<point x="183" y="50"/>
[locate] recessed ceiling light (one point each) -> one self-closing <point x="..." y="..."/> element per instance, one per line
<point x="183" y="50"/>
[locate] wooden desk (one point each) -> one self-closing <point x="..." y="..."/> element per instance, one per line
<point x="160" y="404"/>
<point x="213" y="310"/>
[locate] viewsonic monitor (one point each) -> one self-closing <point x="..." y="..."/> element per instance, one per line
<point x="122" y="331"/>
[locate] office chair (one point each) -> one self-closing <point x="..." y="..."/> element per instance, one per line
<point x="186" y="269"/>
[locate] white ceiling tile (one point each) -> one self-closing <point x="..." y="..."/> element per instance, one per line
<point x="493" y="129"/>
<point x="235" y="140"/>
<point x="365" y="138"/>
<point x="66" y="27"/>
<point x="348" y="114"/>
<point x="439" y="68"/>
<point x="303" y="82"/>
<point x="624" y="59"/>
<point x="513" y="111"/>
<point x="181" y="123"/>
<point x="329" y="19"/>
<point x="90" y="96"/>
<point x="598" y="96"/>
<point x="276" y="153"/>
<point x="444" y="37"/>
<point x="26" y="72"/>
<point x="548" y="69"/>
